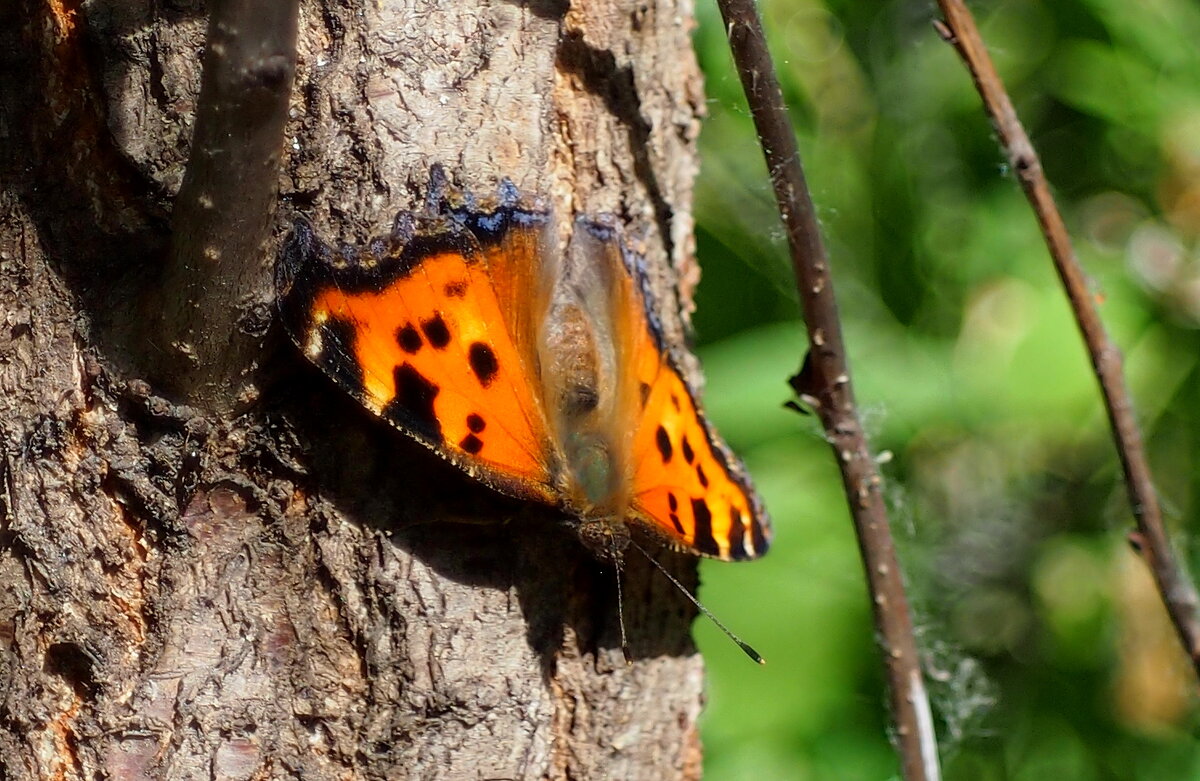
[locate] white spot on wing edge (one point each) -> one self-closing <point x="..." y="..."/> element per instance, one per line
<point x="747" y="535"/>
<point x="314" y="345"/>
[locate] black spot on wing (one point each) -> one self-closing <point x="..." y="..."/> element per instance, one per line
<point x="408" y="338"/>
<point x="663" y="441"/>
<point x="476" y="423"/>
<point x="688" y="454"/>
<point x="436" y="331"/>
<point x="412" y="407"/>
<point x="737" y="535"/>
<point x="456" y="289"/>
<point x="704" y="542"/>
<point x="673" y="505"/>
<point x="703" y="478"/>
<point x="337" y="352"/>
<point x="471" y="444"/>
<point x="644" y="392"/>
<point x="760" y="542"/>
<point x="483" y="363"/>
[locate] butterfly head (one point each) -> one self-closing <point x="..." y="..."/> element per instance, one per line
<point x="606" y="538"/>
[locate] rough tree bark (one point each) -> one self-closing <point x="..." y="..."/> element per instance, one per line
<point x="275" y="592"/>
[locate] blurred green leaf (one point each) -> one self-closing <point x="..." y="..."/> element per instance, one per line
<point x="1003" y="483"/>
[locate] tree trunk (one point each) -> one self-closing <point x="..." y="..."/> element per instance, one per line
<point x="271" y="588"/>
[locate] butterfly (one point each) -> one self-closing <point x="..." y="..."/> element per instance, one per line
<point x="541" y="371"/>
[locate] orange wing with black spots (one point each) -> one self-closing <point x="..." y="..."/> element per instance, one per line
<point x="686" y="483"/>
<point x="465" y="324"/>
<point x="686" y="480"/>
<point x="419" y="331"/>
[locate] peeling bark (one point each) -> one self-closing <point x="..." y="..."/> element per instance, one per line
<point x="283" y="594"/>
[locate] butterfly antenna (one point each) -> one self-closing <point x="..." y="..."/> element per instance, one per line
<point x="621" y="617"/>
<point x="743" y="645"/>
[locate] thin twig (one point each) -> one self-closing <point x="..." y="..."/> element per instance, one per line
<point x="825" y="384"/>
<point x="1178" y="592"/>
<point x="222" y="216"/>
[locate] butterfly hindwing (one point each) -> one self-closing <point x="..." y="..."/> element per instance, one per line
<point x="416" y="329"/>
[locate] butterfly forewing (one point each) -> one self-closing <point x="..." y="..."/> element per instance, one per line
<point x="417" y="333"/>
<point x="687" y="485"/>
<point x="688" y="482"/>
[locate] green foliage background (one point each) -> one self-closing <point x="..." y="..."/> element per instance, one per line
<point x="1049" y="656"/>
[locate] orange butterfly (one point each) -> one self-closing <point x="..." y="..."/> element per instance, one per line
<point x="543" y="373"/>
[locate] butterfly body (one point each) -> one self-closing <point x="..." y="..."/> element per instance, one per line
<point x="541" y="372"/>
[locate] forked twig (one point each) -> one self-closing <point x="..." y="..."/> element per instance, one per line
<point x="825" y="384"/>
<point x="1150" y="539"/>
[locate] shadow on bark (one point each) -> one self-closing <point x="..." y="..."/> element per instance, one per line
<point x="358" y="467"/>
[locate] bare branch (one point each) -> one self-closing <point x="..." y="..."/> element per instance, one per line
<point x="1177" y="591"/>
<point x="825" y="383"/>
<point x="223" y="211"/>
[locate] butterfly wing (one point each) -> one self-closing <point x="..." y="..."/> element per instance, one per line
<point x="421" y="329"/>
<point x="687" y="486"/>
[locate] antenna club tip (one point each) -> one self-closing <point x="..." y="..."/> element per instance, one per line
<point x="752" y="653"/>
